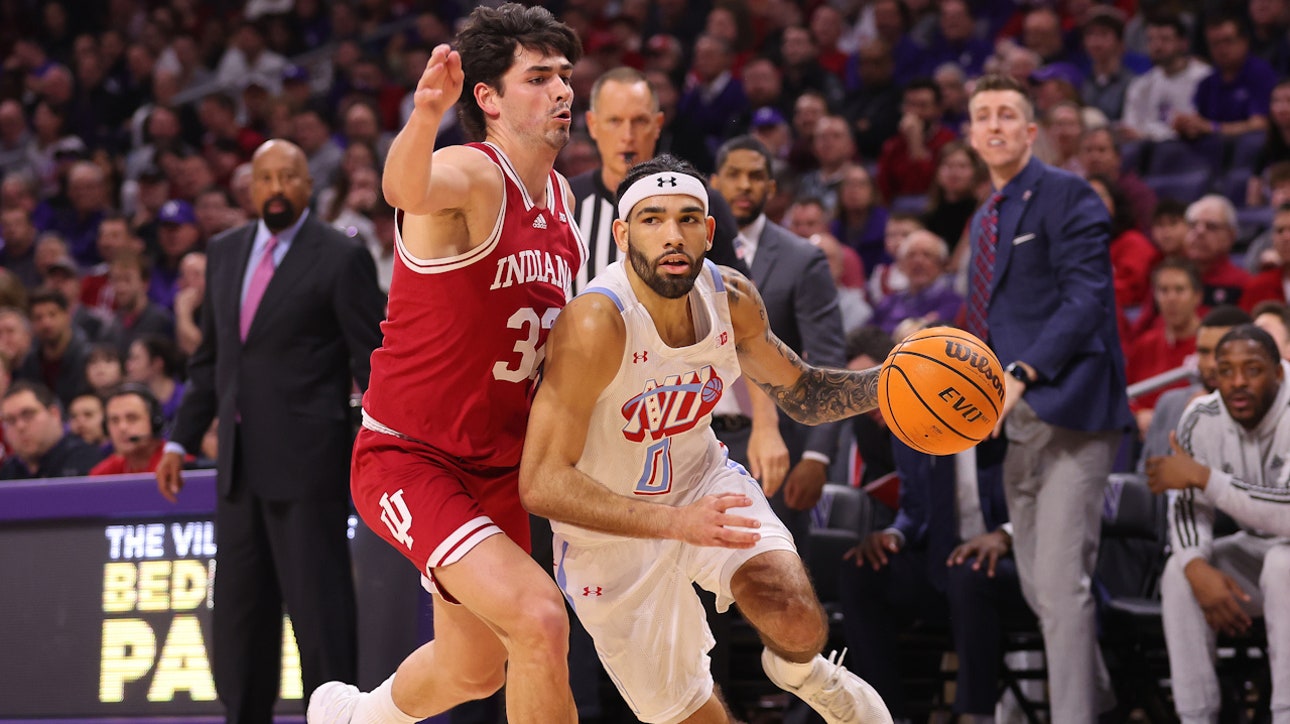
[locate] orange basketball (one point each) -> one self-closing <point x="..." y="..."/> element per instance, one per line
<point x="941" y="390"/>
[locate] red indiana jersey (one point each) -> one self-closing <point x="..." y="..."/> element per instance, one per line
<point x="464" y="335"/>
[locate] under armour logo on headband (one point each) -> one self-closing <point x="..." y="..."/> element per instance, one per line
<point x="666" y="183"/>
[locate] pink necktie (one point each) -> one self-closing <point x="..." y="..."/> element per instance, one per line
<point x="259" y="282"/>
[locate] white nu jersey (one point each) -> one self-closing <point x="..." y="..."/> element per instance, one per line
<point x="650" y="433"/>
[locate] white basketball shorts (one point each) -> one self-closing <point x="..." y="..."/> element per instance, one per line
<point x="635" y="598"/>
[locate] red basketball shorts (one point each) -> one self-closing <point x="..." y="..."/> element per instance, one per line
<point x="429" y="506"/>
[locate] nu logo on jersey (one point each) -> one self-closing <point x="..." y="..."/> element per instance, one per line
<point x="532" y="265"/>
<point x="674" y="406"/>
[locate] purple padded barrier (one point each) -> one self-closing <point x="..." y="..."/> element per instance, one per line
<point x="108" y="496"/>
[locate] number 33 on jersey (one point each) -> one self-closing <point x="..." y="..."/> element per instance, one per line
<point x="466" y="377"/>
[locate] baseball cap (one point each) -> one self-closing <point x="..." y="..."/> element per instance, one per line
<point x="1059" y="71"/>
<point x="767" y="116"/>
<point x="176" y="211"/>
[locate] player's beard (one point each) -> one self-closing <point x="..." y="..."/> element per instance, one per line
<point x="669" y="286"/>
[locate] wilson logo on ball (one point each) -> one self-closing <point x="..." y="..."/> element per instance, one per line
<point x="979" y="362"/>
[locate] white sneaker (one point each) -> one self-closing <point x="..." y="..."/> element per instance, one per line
<point x="834" y="693"/>
<point x="332" y="703"/>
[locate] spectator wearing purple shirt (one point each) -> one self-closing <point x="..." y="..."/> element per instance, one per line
<point x="1234" y="98"/>
<point x="177" y="234"/>
<point x="709" y="110"/>
<point x="956" y="40"/>
<point x="859" y="221"/>
<point x="930" y="295"/>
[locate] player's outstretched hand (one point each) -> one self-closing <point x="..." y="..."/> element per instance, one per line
<point x="707" y="522"/>
<point x="440" y="84"/>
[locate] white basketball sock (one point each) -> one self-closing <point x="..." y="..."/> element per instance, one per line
<point x="789" y="672"/>
<point x="378" y="707"/>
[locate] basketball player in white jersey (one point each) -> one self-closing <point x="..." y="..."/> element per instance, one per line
<point x="642" y="498"/>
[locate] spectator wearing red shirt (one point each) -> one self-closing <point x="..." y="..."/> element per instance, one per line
<point x="1211" y="230"/>
<point x="1271" y="283"/>
<point x="1133" y="256"/>
<point x="826" y="26"/>
<point x="133" y="419"/>
<point x="1169" y="234"/>
<point x="908" y="160"/>
<point x="1177" y="288"/>
<point x="114" y="237"/>
<point x="217" y="113"/>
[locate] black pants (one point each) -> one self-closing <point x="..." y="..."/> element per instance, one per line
<point x="271" y="552"/>
<point x="878" y="605"/>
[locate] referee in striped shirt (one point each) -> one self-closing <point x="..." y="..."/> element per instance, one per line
<point x="625" y="122"/>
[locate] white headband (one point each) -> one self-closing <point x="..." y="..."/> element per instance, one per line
<point x="662" y="184"/>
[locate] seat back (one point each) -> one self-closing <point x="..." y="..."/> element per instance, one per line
<point x="1131" y="556"/>
<point x="837" y="522"/>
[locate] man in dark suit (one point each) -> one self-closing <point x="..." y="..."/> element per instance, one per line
<point x="944" y="558"/>
<point x="794" y="281"/>
<point x="290" y="318"/>
<point x="1040" y="292"/>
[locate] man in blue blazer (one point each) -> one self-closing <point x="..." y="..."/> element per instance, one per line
<point x="944" y="558"/>
<point x="1040" y="292"/>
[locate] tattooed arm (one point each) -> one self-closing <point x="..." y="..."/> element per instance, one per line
<point x="810" y="395"/>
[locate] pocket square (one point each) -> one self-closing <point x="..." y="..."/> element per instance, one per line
<point x="1022" y="239"/>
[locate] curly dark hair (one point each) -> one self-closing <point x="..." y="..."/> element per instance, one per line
<point x="488" y="44"/>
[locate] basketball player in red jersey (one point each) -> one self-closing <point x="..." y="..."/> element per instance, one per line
<point x="487" y="249"/>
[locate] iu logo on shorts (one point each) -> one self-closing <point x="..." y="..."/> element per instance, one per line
<point x="397" y="517"/>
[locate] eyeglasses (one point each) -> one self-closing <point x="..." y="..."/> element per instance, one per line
<point x="1203" y="225"/>
<point x="23" y="416"/>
